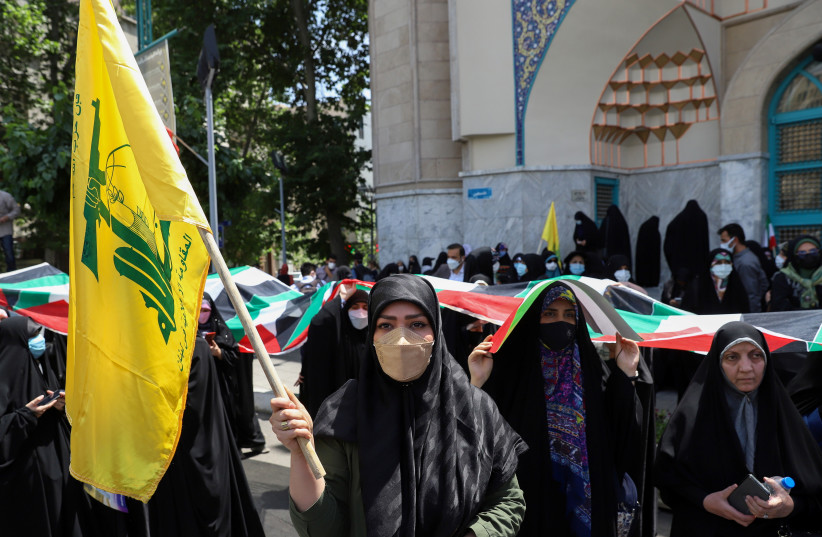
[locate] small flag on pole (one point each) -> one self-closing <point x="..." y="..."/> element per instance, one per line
<point x="137" y="268"/>
<point x="550" y="233"/>
<point x="770" y="236"/>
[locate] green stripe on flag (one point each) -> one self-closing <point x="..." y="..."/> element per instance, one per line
<point x="54" y="280"/>
<point x="31" y="299"/>
<point x="316" y="303"/>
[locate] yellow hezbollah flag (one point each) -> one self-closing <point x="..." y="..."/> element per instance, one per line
<point x="550" y="234"/>
<point x="138" y="268"/>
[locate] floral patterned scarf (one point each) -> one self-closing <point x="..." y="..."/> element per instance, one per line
<point x="565" y="418"/>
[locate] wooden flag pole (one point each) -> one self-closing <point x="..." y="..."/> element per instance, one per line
<point x="257" y="343"/>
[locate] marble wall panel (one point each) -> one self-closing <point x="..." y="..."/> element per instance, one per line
<point x="744" y="194"/>
<point x="516" y="212"/>
<point x="664" y="193"/>
<point x="423" y="224"/>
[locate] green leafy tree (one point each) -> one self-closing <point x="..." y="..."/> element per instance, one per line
<point x="292" y="78"/>
<point x="35" y="100"/>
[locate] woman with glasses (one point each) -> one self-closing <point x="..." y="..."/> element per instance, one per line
<point x="798" y="285"/>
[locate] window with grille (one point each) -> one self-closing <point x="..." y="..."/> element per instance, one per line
<point x="795" y="144"/>
<point x="606" y="193"/>
<point x="788" y="233"/>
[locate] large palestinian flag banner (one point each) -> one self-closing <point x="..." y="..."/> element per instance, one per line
<point x="282" y="315"/>
<point x="40" y="292"/>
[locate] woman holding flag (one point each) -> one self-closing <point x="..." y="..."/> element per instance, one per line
<point x="410" y="448"/>
<point x="580" y="416"/>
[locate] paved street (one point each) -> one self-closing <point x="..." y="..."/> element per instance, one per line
<point x="267" y="472"/>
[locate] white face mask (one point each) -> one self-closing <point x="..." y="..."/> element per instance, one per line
<point x="728" y="245"/>
<point x="359" y="318"/>
<point x="721" y="271"/>
<point x="779" y="261"/>
<point x="453" y="264"/>
<point x="551" y="266"/>
<point x="622" y="275"/>
<point x="403" y="354"/>
<point x="331" y="265"/>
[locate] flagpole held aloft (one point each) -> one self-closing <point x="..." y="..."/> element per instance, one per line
<point x="256" y="342"/>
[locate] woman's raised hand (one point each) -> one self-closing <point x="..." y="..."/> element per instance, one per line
<point x="481" y="362"/>
<point x="627" y="355"/>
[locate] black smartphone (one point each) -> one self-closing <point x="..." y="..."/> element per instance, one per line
<point x="750" y="486"/>
<point x="49" y="398"/>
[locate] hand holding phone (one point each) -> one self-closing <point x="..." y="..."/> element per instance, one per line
<point x="750" y="486"/>
<point x="209" y="337"/>
<point x="49" y="398"/>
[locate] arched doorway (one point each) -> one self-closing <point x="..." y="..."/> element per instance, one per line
<point x="795" y="144"/>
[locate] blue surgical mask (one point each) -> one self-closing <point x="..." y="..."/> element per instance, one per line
<point x="502" y="253"/>
<point x="576" y="268"/>
<point x="37" y="345"/>
<point x="728" y="245"/>
<point x="622" y="275"/>
<point x="520" y="268"/>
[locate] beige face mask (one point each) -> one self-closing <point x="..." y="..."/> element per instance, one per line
<point x="403" y="354"/>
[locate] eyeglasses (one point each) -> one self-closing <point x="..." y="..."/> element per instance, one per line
<point x="806" y="253"/>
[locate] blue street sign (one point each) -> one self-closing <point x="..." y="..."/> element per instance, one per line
<point x="479" y="193"/>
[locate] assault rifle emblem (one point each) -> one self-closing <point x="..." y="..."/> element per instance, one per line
<point x="139" y="261"/>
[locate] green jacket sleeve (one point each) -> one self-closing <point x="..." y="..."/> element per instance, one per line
<point x="501" y="513"/>
<point x="329" y="516"/>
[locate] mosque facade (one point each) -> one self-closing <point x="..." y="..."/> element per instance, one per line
<point x="485" y="112"/>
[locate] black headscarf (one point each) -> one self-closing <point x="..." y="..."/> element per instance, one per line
<point x="767" y="264"/>
<point x="614" y="231"/>
<point x="648" y="246"/>
<point x="700" y="452"/>
<point x="227" y="364"/>
<point x="612" y="429"/>
<point x="483" y="262"/>
<point x="566" y="268"/>
<point x="38" y="496"/>
<point x="586" y="229"/>
<point x="536" y="267"/>
<point x="701" y="298"/>
<point x="686" y="239"/>
<point x="388" y="270"/>
<point x="204" y="491"/>
<point x="332" y="352"/>
<point x="414" y="265"/>
<point x="440" y="261"/>
<point x="223" y="336"/>
<point x="437" y="444"/>
<point x="615" y="262"/>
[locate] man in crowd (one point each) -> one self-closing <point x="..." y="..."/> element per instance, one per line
<point x="746" y="264"/>
<point x="9" y="210"/>
<point x="308" y="282"/>
<point x="454" y="269"/>
<point x="328" y="270"/>
<point x="358" y="270"/>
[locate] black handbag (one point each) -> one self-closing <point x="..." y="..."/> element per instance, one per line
<point x="628" y="508"/>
